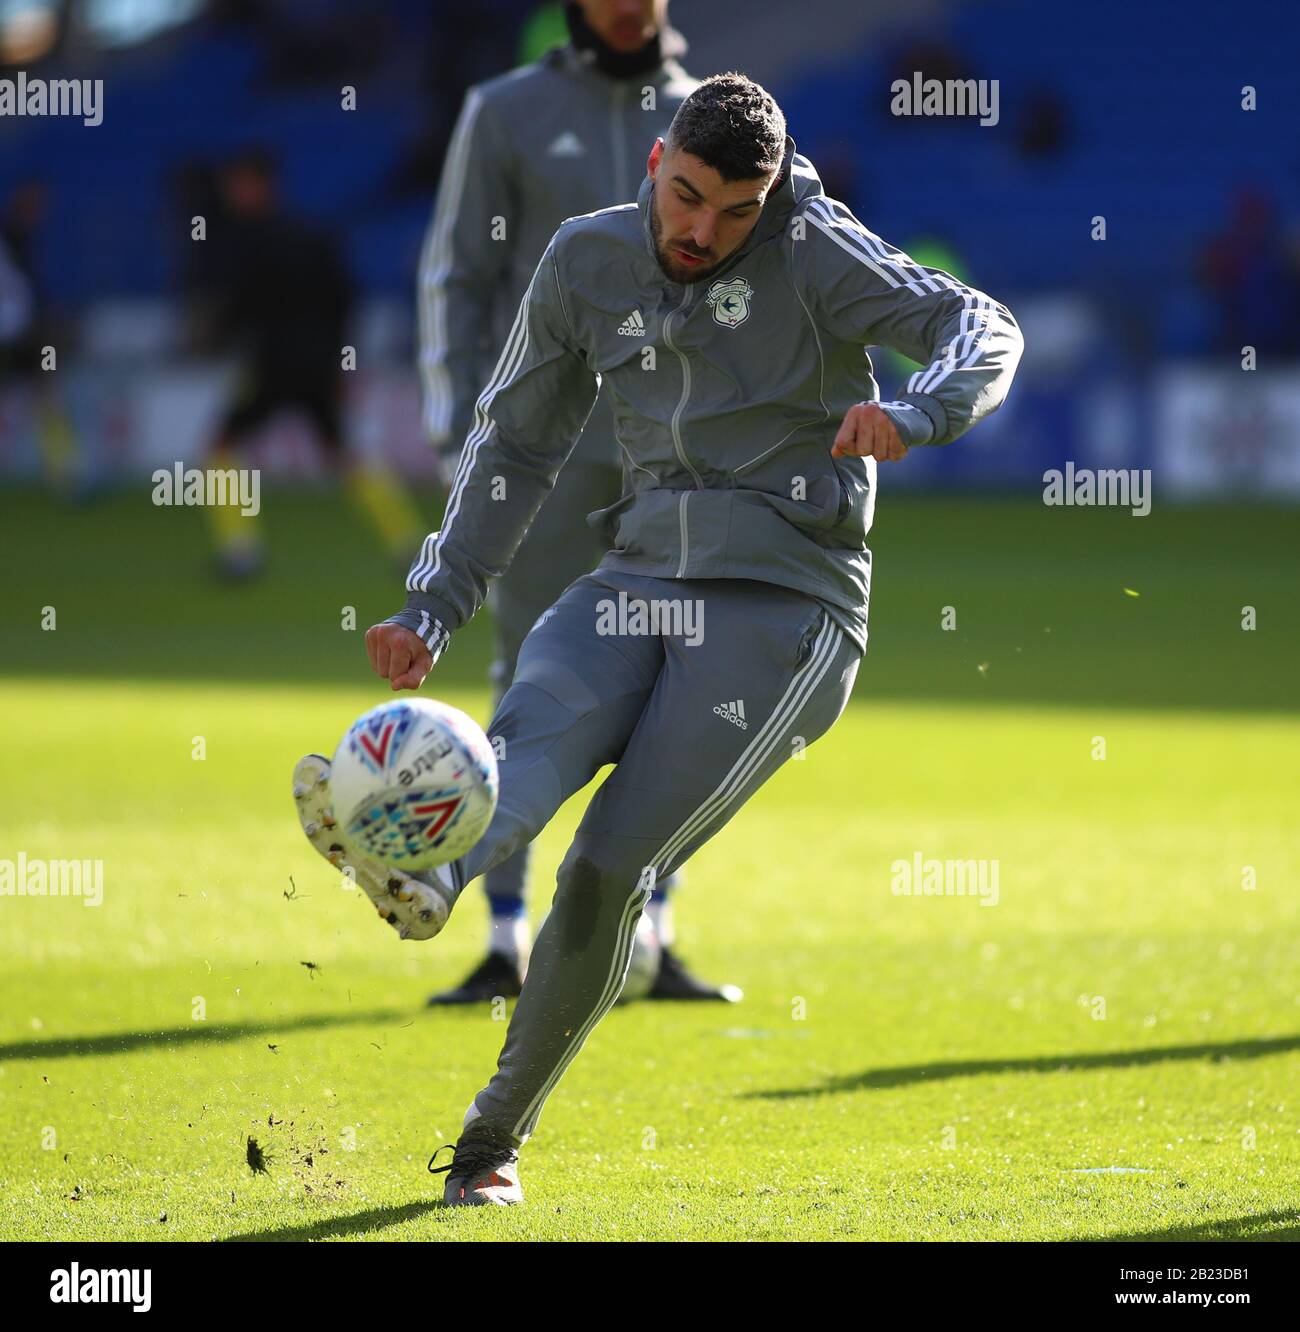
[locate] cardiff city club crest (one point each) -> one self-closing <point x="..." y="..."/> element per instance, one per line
<point x="730" y="301"/>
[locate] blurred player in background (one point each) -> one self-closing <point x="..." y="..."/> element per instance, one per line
<point x="28" y="327"/>
<point x="15" y="298"/>
<point x="556" y="139"/>
<point x="283" y="298"/>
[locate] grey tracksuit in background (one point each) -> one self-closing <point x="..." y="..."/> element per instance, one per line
<point x="530" y="149"/>
<point x="727" y="394"/>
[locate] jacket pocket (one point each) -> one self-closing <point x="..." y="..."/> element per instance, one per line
<point x="809" y="635"/>
<point x="855" y="493"/>
<point x="817" y="509"/>
<point x="606" y="520"/>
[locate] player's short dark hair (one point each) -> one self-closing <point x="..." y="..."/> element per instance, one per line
<point x="733" y="125"/>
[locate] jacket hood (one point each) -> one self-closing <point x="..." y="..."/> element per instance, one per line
<point x="796" y="181"/>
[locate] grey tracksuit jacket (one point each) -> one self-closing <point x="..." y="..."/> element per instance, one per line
<point x="727" y="394"/>
<point x="530" y="149"/>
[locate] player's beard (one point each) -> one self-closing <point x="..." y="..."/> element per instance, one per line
<point x="674" y="271"/>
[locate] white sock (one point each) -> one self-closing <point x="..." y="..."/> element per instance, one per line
<point x="660" y="911"/>
<point x="509" y="935"/>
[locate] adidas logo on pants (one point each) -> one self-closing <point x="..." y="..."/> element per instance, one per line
<point x="733" y="712"/>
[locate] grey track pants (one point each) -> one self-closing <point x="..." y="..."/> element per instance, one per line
<point x="557" y="548"/>
<point x="693" y="729"/>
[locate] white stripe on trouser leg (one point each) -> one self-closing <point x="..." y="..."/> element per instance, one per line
<point x="792" y="701"/>
<point x="613" y="984"/>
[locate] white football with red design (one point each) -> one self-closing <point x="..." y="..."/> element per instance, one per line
<point x="414" y="783"/>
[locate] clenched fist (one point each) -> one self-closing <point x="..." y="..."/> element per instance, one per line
<point x="867" y="432"/>
<point x="398" y="655"/>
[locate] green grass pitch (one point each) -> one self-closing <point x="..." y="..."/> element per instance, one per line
<point x="1109" y="1051"/>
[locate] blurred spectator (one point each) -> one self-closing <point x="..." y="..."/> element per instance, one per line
<point x="932" y="57"/>
<point x="1253" y="277"/>
<point x="15" y="299"/>
<point x="1043" y="125"/>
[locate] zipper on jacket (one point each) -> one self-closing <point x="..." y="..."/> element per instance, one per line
<point x="686" y="390"/>
<point x="683" y="532"/>
<point x="683" y="527"/>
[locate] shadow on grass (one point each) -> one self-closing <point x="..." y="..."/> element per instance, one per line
<point x="1279" y="1224"/>
<point x="123" y="1042"/>
<point x="376" y="1218"/>
<point x="909" y="1074"/>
